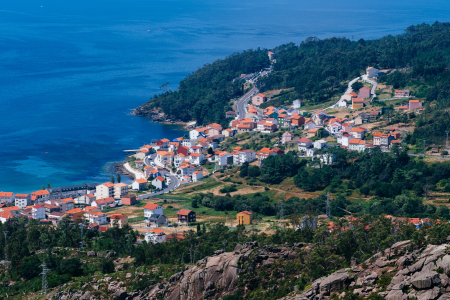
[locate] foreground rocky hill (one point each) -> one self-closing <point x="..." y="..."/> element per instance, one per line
<point x="396" y="273"/>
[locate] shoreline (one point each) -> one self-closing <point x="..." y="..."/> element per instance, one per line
<point x="157" y="116"/>
<point x="120" y="169"/>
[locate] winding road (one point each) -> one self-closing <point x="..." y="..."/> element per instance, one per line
<point x="173" y="184"/>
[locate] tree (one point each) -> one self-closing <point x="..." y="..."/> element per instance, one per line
<point x="244" y="169"/>
<point x="112" y="179"/>
<point x="49" y="186"/>
<point x="357" y="85"/>
<point x="118" y="178"/>
<point x="42" y="187"/>
<point x="194" y="203"/>
<point x="107" y="266"/>
<point x="165" y="86"/>
<point x="210" y="150"/>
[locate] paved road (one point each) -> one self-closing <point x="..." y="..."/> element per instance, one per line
<point x="348" y="91"/>
<point x="173" y="184"/>
<point x="241" y="104"/>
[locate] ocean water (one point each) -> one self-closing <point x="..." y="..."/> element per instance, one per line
<point x="71" y="71"/>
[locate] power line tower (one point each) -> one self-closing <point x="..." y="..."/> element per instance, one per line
<point x="281" y="214"/>
<point x="6" y="245"/>
<point x="44" y="278"/>
<point x="81" y="243"/>
<point x="328" y="206"/>
<point x="424" y="148"/>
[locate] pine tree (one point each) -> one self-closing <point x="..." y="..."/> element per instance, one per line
<point x="112" y="179"/>
<point x="119" y="178"/>
<point x="49" y="186"/>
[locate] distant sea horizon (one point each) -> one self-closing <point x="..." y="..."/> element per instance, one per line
<point x="70" y="73"/>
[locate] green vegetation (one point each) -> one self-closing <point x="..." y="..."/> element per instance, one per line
<point x="204" y="95"/>
<point x="320" y="69"/>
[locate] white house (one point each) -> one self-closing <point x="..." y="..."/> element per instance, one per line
<point x="22" y="200"/>
<point x="304" y="144"/>
<point x="40" y="196"/>
<point x="196" y="176"/>
<point x="372" y="72"/>
<point x="309" y="125"/>
<point x="104" y="190"/>
<point x="335" y="127"/>
<point x="101" y="203"/>
<point x="158" y="182"/>
<point x="38" y="212"/>
<point x="155" y="236"/>
<point x="297" y="103"/>
<point x="5" y="216"/>
<point x="319" y="144"/>
<point x="187" y="170"/>
<point x="356" y="144"/>
<point x="188" y="143"/>
<point x="196" y="158"/>
<point x="344" y="139"/>
<point x="139" y="184"/>
<point x="224" y="159"/>
<point x="195" y="134"/>
<point x="247" y="156"/>
<point x="120" y="190"/>
<point x="6" y="197"/>
<point x="98" y="217"/>
<point x="152" y="209"/>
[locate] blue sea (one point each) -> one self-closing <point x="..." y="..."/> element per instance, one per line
<point x="71" y="71"/>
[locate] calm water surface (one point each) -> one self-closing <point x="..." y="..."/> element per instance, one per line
<point x="70" y="71"/>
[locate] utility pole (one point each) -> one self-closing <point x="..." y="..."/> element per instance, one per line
<point x="224" y="245"/>
<point x="328" y="206"/>
<point x="44" y="278"/>
<point x="6" y="244"/>
<point x="446" y="145"/>
<point x="81" y="227"/>
<point x="424" y="148"/>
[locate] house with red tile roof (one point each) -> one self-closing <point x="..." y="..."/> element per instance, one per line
<point x="186" y="216"/>
<point x="259" y="99"/>
<point x="358" y="133"/>
<point x="118" y="220"/>
<point x="7" y="197"/>
<point x="105" y="202"/>
<point x="40" y="196"/>
<point x="98" y="218"/>
<point x="5" y="216"/>
<point x="159" y="182"/>
<point x="357" y="103"/>
<point x="139" y="184"/>
<point x="104" y="190"/>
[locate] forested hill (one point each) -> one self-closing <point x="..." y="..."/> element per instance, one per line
<point x="204" y="95"/>
<point x="317" y="70"/>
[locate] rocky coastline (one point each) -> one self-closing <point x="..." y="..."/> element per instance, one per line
<point x="158" y="116"/>
<point x="120" y="169"/>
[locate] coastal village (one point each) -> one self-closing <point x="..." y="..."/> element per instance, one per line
<point x="354" y="122"/>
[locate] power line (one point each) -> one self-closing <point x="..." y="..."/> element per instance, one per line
<point x="44" y="278"/>
<point x="6" y="245"/>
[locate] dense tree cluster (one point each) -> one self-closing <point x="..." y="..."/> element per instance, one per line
<point x="204" y="95"/>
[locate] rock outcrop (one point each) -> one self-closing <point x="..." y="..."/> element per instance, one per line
<point x="407" y="274"/>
